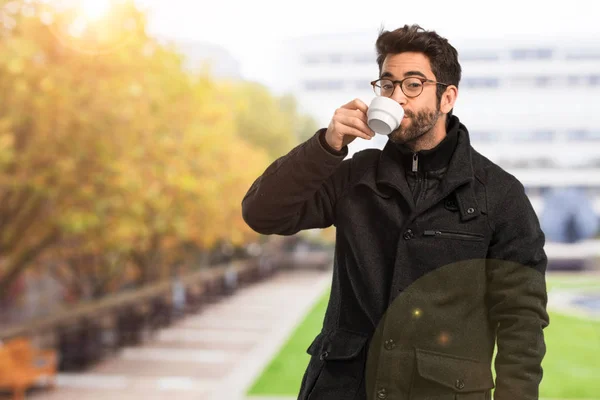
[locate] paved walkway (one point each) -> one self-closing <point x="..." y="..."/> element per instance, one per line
<point x="215" y="354"/>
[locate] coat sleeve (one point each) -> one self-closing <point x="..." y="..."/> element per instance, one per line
<point x="517" y="296"/>
<point x="298" y="191"/>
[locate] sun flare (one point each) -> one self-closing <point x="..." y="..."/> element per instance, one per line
<point x="94" y="10"/>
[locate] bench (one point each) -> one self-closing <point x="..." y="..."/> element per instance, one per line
<point x="22" y="366"/>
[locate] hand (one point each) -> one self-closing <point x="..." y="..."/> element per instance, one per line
<point x="348" y="122"/>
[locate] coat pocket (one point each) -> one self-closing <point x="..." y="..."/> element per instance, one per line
<point x="448" y="234"/>
<point x="442" y="376"/>
<point x="314" y="367"/>
<point x="338" y="366"/>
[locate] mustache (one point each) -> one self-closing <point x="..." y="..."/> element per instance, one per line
<point x="412" y="115"/>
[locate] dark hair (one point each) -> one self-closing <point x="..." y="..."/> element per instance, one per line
<point x="442" y="56"/>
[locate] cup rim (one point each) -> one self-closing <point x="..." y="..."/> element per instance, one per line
<point x="393" y="110"/>
<point x="387" y="103"/>
<point x="376" y="112"/>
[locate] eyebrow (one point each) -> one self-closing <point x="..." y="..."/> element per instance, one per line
<point x="408" y="73"/>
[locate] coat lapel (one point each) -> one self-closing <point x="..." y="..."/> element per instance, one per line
<point x="459" y="175"/>
<point x="391" y="173"/>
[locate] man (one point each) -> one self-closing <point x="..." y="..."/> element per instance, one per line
<point x="439" y="254"/>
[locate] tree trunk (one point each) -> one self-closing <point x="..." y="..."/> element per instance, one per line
<point x="23" y="260"/>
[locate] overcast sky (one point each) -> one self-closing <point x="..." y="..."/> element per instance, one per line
<point x="251" y="29"/>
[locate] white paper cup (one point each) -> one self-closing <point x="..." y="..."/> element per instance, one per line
<point x="384" y="115"/>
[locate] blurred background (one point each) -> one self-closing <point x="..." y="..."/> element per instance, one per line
<point x="130" y="130"/>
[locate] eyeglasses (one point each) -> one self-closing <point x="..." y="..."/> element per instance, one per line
<point x="411" y="86"/>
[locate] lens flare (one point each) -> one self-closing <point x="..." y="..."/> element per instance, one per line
<point x="91" y="26"/>
<point x="95" y="10"/>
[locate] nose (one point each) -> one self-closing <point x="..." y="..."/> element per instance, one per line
<point x="399" y="95"/>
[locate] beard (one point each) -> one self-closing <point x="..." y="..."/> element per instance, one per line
<point x="420" y="124"/>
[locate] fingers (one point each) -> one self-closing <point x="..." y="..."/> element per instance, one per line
<point x="344" y="131"/>
<point x="356" y="124"/>
<point x="354" y="118"/>
<point x="348" y="122"/>
<point x="356" y="104"/>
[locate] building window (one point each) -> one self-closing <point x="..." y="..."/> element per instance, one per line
<point x="595" y="163"/>
<point x="479" y="56"/>
<point x="574" y="80"/>
<point x="364" y="59"/>
<point x="483" y="82"/>
<point x="542" y="81"/>
<point x="482" y="136"/>
<point x="336" y="58"/>
<point x="531" y="54"/>
<point x="577" y="135"/>
<point x="533" y="191"/>
<point x="583" y="54"/>
<point x="594" y="80"/>
<point x="582" y="80"/>
<point x="312" y="59"/>
<point x="543" y="163"/>
<point x="543" y="135"/>
<point x="519" y="82"/>
<point x="535" y="136"/>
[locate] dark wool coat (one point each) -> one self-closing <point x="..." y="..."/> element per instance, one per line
<point x="423" y="284"/>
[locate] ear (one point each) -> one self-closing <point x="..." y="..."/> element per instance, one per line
<point x="448" y="99"/>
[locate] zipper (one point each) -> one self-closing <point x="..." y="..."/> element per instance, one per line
<point x="453" y="235"/>
<point x="415" y="162"/>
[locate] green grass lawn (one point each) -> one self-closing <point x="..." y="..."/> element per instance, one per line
<point x="571" y="366"/>
<point x="284" y="373"/>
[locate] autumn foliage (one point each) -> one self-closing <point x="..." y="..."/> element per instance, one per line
<point x="115" y="160"/>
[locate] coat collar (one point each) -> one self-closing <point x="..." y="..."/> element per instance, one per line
<point x="427" y="160"/>
<point x="390" y="176"/>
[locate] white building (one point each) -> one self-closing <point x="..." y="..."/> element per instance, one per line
<point x="529" y="103"/>
<point x="202" y="55"/>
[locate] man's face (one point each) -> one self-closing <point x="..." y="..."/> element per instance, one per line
<point x="420" y="113"/>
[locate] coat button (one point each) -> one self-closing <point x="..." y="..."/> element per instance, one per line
<point x="459" y="384"/>
<point x="470" y="210"/>
<point x="324" y="355"/>
<point x="382" y="394"/>
<point x="408" y="235"/>
<point x="389" y="344"/>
